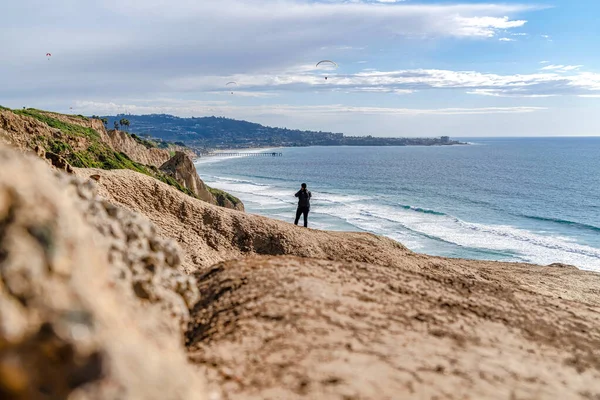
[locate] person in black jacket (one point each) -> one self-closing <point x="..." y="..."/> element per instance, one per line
<point x="303" y="196"/>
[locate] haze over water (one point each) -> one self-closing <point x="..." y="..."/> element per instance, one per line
<point x="526" y="200"/>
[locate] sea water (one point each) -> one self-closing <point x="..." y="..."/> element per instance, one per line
<point x="525" y="200"/>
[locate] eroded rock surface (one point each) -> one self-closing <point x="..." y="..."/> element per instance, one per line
<point x="181" y="167"/>
<point x="297" y="328"/>
<point x="72" y="323"/>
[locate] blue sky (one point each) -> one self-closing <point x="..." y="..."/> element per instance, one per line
<point x="405" y="68"/>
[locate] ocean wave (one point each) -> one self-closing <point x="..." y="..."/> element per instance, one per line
<point x="517" y="243"/>
<point x="421" y="210"/>
<point x="563" y="222"/>
<point x="419" y="228"/>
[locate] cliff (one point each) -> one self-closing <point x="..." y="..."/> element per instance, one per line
<point x="136" y="151"/>
<point x="75" y="141"/>
<point x="116" y="285"/>
<point x="289" y="313"/>
<point x="182" y="169"/>
<point x="91" y="298"/>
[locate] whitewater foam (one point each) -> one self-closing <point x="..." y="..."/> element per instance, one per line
<point x="419" y="228"/>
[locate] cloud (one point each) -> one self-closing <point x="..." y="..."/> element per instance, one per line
<point x="193" y="108"/>
<point x="487" y="26"/>
<point x="556" y="81"/>
<point x="561" y="68"/>
<point x="119" y="38"/>
<point x="506" y="40"/>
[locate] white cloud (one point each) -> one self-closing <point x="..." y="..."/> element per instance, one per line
<point x="561" y="68"/>
<point x="562" y="80"/>
<point x="192" y="108"/>
<point x="487" y="26"/>
<point x="506" y="40"/>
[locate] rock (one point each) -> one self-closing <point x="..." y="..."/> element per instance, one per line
<point x="58" y="162"/>
<point x="95" y="177"/>
<point x="181" y="167"/>
<point x="71" y="325"/>
<point x="300" y="328"/>
<point x="124" y="143"/>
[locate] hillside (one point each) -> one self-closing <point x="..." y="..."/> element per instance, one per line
<point x="219" y="132"/>
<point x="115" y="285"/>
<point x="352" y="315"/>
<point x="68" y="141"/>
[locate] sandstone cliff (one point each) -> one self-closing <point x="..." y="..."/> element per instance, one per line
<point x="95" y="304"/>
<point x="181" y="168"/>
<point x="66" y="141"/>
<point x="91" y="300"/>
<point x="123" y="142"/>
<point x="360" y="316"/>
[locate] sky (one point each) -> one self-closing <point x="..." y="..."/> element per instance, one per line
<point x="404" y="68"/>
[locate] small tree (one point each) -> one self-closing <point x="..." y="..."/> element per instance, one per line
<point x="104" y="121"/>
<point x="124" y="122"/>
<point x="116" y="126"/>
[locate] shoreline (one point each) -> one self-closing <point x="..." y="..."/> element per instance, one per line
<point x="409" y="222"/>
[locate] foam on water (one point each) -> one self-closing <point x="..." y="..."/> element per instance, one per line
<point x="419" y="228"/>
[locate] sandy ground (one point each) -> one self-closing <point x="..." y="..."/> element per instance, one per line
<point x="288" y="312"/>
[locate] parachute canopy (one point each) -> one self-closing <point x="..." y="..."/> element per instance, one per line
<point x="48" y="55"/>
<point x="231" y="84"/>
<point x="327" y="62"/>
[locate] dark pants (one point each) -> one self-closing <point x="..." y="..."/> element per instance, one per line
<point x="300" y="211"/>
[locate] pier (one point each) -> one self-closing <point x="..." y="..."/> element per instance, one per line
<point x="242" y="154"/>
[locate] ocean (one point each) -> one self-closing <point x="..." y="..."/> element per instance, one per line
<point x="506" y="199"/>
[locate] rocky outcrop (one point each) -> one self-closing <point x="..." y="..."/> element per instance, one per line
<point x="93" y="297"/>
<point x="91" y="300"/>
<point x="297" y="328"/>
<point x="210" y="234"/>
<point x="67" y="140"/>
<point x="360" y="316"/>
<point x="22" y="131"/>
<point x="183" y="170"/>
<point x="123" y="142"/>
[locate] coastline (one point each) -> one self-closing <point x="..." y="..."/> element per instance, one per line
<point x="428" y="225"/>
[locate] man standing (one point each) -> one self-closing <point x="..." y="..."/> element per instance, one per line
<point x="303" y="196"/>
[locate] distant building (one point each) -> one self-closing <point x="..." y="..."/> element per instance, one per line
<point x="445" y="139"/>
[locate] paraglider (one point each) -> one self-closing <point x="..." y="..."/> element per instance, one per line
<point x="231" y="83"/>
<point x="48" y="55"/>
<point x="327" y="63"/>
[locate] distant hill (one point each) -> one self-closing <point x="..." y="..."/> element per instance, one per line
<point x="220" y="132"/>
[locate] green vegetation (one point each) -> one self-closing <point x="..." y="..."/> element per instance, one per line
<point x="4" y="108"/>
<point x="221" y="195"/>
<point x="124" y="122"/>
<point x="97" y="154"/>
<point x="58" y="147"/>
<point x="65" y="128"/>
<point x="147" y="143"/>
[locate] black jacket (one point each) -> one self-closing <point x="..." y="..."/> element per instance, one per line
<point x="303" y="198"/>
